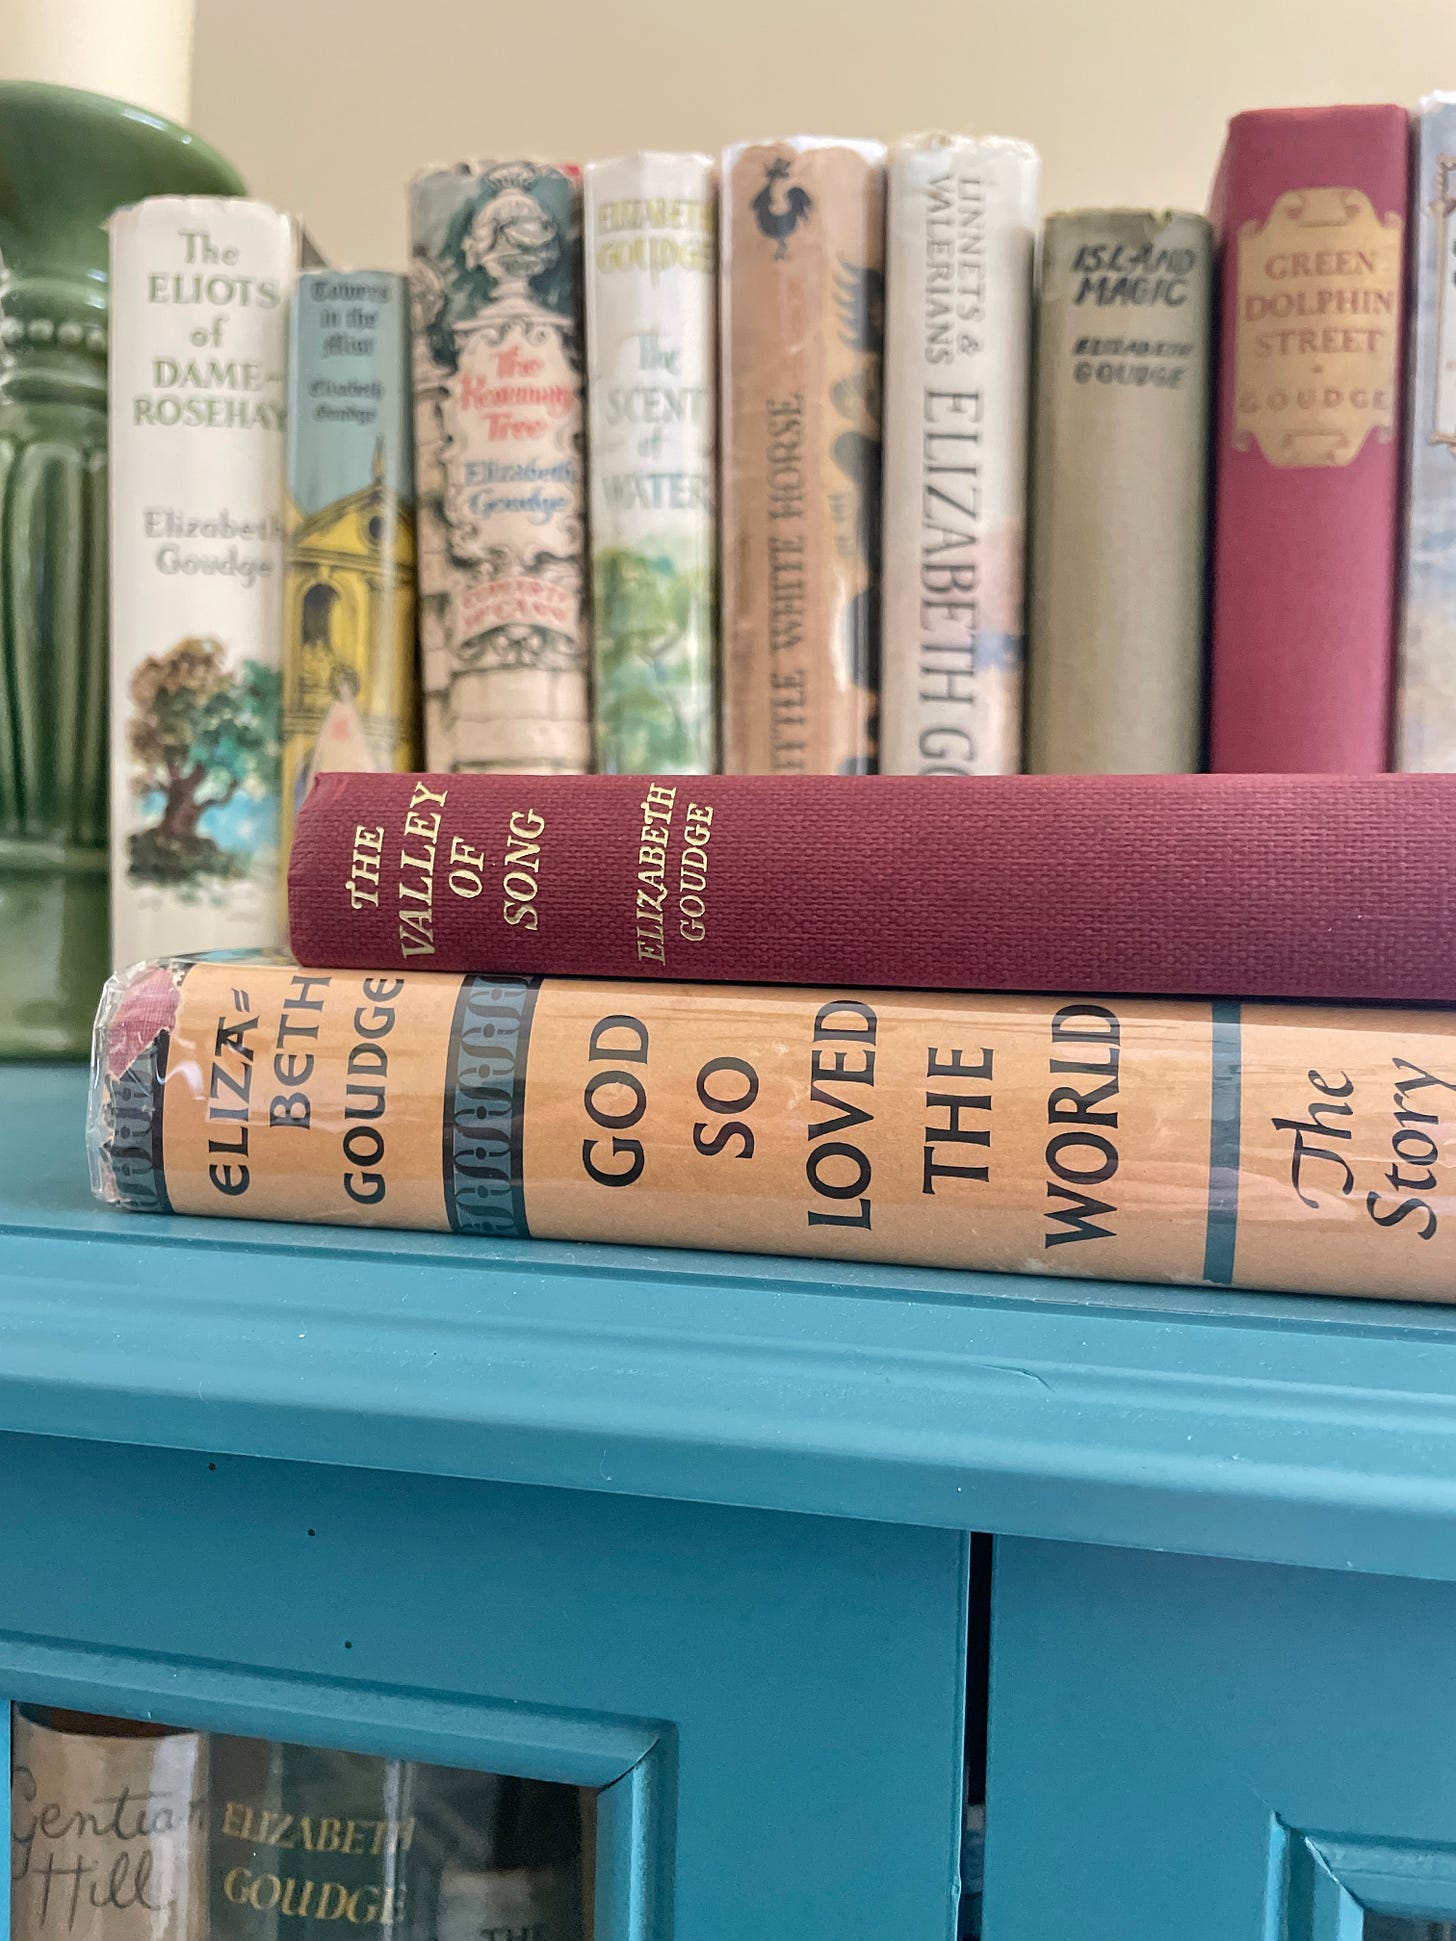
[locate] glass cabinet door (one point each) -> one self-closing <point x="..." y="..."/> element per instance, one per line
<point x="1183" y="1749"/>
<point x="130" y="1831"/>
<point x="767" y="1708"/>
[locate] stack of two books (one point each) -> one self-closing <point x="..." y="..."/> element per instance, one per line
<point x="792" y="1062"/>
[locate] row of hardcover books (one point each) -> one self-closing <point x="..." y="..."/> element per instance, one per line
<point x="122" y="1831"/>
<point x="545" y="521"/>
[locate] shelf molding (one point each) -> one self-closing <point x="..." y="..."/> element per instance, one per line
<point x="1264" y="1427"/>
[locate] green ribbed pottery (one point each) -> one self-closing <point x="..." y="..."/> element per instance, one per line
<point x="67" y="160"/>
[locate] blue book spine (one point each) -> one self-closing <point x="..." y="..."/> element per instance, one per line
<point x="349" y="679"/>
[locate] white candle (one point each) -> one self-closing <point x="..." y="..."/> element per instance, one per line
<point x="137" y="50"/>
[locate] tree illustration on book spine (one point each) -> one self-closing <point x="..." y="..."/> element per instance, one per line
<point x="198" y="733"/>
<point x="495" y="311"/>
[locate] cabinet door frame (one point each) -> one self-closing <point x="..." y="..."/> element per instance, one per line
<point x="1333" y="1880"/>
<point x="1218" y="1750"/>
<point x="770" y="1707"/>
<point x="628" y="1763"/>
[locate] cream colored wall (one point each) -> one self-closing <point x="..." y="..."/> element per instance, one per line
<point x="327" y="107"/>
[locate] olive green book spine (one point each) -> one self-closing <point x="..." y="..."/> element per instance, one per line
<point x="1119" y="494"/>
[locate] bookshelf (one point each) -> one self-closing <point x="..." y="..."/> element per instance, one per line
<point x="468" y="1501"/>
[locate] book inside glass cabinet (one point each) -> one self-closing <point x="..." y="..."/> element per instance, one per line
<point x="123" y="1831"/>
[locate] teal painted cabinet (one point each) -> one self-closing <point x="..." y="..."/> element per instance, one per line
<point x="1188" y="1747"/>
<point x="772" y="1702"/>
<point x="693" y="1531"/>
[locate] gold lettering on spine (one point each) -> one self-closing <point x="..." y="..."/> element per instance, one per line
<point x="692" y="881"/>
<point x="362" y="884"/>
<point x="657" y="811"/>
<point x="416" y="884"/>
<point x="521" y="880"/>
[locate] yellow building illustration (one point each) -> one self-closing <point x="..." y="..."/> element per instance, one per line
<point x="349" y="628"/>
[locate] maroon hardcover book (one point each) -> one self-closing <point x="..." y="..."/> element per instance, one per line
<point x="1209" y="885"/>
<point x="1310" y="208"/>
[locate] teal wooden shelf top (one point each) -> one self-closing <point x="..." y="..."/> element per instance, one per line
<point x="1256" y="1426"/>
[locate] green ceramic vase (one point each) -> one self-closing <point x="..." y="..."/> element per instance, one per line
<point x="67" y="160"/>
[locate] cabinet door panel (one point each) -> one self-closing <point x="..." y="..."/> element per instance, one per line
<point x="1183" y="1749"/>
<point x="779" y="1699"/>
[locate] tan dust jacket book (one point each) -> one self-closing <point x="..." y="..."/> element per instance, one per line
<point x="108" y="1829"/>
<point x="802" y="339"/>
<point x="1289" y="1146"/>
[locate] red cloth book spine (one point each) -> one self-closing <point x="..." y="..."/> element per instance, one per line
<point x="1310" y="208"/>
<point x="1208" y="885"/>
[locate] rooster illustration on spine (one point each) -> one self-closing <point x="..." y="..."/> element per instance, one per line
<point x="779" y="224"/>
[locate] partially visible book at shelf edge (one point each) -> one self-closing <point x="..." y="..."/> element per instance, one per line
<point x="1193" y="1142"/>
<point x="1425" y="703"/>
<point x="1243" y="886"/>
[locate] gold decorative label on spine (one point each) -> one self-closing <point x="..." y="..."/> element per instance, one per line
<point x="1317" y="328"/>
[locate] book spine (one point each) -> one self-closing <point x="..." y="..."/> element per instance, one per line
<point x="1294" y="1147"/>
<point x="1116" y="639"/>
<point x="1425" y="709"/>
<point x="1310" y="207"/>
<point x="495" y="298"/>
<point x="960" y="256"/>
<point x="650" y="224"/>
<point x="1137" y="883"/>
<point x="349" y="606"/>
<point x="108" y="1830"/>
<point x="803" y="329"/>
<point x="432" y="537"/>
<point x="306" y="1842"/>
<point x="496" y="1857"/>
<point x="199" y="299"/>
